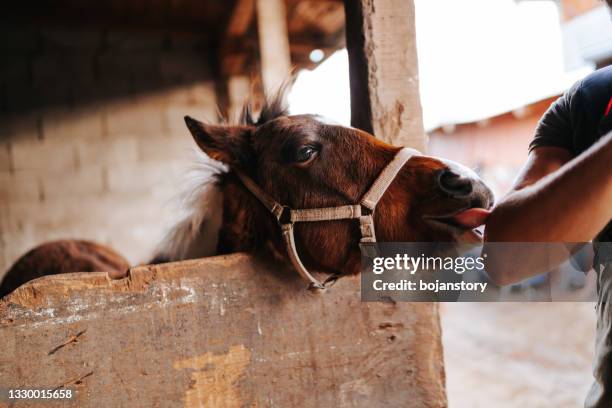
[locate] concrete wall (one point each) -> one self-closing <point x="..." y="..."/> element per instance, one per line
<point x="92" y="140"/>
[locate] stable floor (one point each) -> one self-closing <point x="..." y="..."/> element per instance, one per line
<point x="515" y="355"/>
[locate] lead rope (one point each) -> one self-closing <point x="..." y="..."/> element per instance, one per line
<point x="364" y="211"/>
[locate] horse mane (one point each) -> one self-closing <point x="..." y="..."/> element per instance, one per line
<point x="274" y="106"/>
<point x="195" y="234"/>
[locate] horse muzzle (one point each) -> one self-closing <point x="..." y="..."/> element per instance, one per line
<point x="473" y="197"/>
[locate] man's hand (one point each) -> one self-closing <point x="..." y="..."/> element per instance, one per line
<point x="555" y="199"/>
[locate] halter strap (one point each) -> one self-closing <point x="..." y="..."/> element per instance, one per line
<point x="286" y="217"/>
<point x="386" y="177"/>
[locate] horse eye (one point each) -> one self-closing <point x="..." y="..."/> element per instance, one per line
<point x="305" y="153"/>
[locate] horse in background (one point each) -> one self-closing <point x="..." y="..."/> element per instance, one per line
<point x="63" y="256"/>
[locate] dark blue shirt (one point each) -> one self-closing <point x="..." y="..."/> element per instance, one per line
<point x="578" y="119"/>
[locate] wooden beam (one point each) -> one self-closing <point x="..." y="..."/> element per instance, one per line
<point x="241" y="18"/>
<point x="239" y="89"/>
<point x="235" y="48"/>
<point x="381" y="42"/>
<point x="227" y="331"/>
<point x="273" y="43"/>
<point x="240" y="43"/>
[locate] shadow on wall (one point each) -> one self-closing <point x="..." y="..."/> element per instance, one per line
<point x="92" y="138"/>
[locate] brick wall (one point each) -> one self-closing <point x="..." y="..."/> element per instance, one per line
<point x="92" y="140"/>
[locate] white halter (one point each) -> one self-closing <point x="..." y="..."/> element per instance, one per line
<point x="286" y="217"/>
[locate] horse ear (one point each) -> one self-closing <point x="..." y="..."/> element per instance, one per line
<point x="227" y="144"/>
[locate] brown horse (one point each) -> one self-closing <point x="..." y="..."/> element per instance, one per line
<point x="305" y="162"/>
<point x="63" y="256"/>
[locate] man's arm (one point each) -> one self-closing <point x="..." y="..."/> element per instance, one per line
<point x="555" y="199"/>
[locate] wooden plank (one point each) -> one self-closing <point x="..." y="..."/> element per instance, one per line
<point x="226" y="331"/>
<point x="381" y="42"/>
<point x="273" y="43"/>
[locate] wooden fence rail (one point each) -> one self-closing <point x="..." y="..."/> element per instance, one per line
<point x="218" y="332"/>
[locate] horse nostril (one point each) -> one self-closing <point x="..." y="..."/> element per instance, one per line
<point x="455" y="184"/>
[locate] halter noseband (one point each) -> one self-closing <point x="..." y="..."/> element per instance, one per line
<point x="286" y="217"/>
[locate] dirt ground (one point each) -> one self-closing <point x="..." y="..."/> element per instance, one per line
<point x="509" y="355"/>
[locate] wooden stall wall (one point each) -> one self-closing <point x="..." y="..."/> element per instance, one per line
<point x="219" y="332"/>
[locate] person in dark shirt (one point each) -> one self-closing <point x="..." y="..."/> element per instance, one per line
<point x="578" y="119"/>
<point x="564" y="194"/>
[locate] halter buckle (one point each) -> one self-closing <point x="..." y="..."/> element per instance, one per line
<point x="282" y="213"/>
<point x="365" y="210"/>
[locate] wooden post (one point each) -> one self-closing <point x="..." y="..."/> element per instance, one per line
<point x="383" y="66"/>
<point x="381" y="42"/>
<point x="273" y="43"/>
<point x="238" y="89"/>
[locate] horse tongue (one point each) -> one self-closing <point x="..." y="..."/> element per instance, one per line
<point x="472" y="218"/>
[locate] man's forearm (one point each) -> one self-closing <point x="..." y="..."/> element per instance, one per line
<point x="570" y="205"/>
